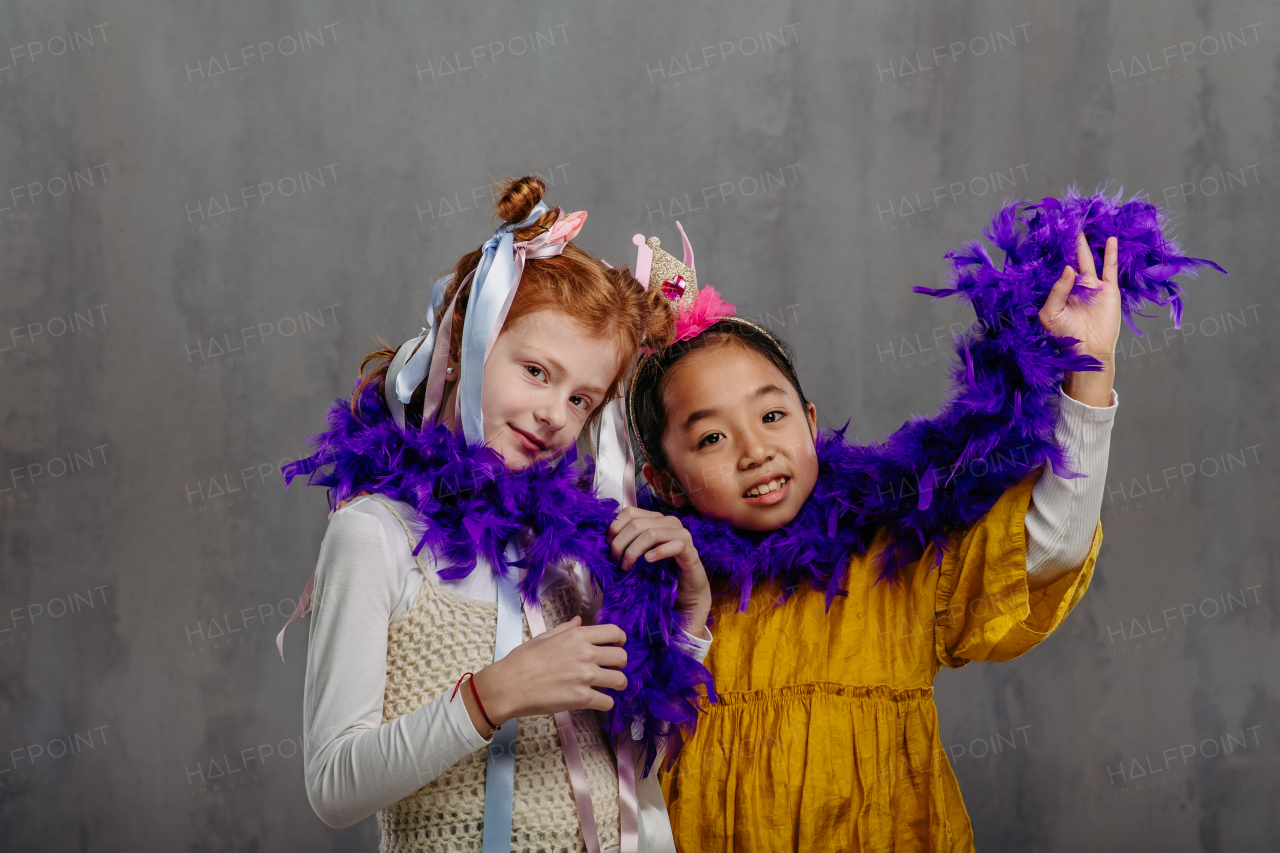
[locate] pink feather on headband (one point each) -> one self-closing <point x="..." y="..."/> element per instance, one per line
<point x="707" y="310"/>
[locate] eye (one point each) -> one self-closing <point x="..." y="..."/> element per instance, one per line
<point x="534" y="371"/>
<point x="713" y="438"/>
<point x="773" y="417"/>
<point x="580" y="402"/>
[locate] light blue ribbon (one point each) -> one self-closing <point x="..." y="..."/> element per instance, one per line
<point x="494" y="278"/>
<point x="415" y="370"/>
<point x="500" y="772"/>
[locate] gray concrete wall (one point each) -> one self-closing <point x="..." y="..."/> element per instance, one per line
<point x="120" y="285"/>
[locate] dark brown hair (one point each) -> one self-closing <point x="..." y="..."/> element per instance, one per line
<point x="602" y="300"/>
<point x="647" y="406"/>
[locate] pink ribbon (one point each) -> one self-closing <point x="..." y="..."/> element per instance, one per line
<point x="628" y="803"/>
<point x="434" y="393"/>
<point x="572" y="754"/>
<point x="304" y="602"/>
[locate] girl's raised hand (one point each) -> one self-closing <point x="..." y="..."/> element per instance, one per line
<point x="1095" y="323"/>
<point x="638" y="532"/>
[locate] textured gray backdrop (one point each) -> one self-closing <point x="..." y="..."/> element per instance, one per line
<point x="209" y="211"/>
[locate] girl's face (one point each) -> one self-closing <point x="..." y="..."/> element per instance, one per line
<point x="738" y="440"/>
<point x="545" y="376"/>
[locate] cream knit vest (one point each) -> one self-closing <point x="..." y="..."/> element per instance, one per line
<point x="440" y="637"/>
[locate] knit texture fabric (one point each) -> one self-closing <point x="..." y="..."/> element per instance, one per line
<point x="440" y="637"/>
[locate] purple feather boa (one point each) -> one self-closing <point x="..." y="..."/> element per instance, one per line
<point x="475" y="506"/>
<point x="938" y="475"/>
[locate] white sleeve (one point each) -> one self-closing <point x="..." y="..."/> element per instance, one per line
<point x="354" y="763"/>
<point x="701" y="647"/>
<point x="1064" y="513"/>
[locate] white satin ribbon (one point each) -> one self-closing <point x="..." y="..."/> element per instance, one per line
<point x="409" y="367"/>
<point x="416" y="368"/>
<point x="615" y="464"/>
<point x="395" y="370"/>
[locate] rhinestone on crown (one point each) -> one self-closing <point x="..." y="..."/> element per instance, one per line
<point x="677" y="282"/>
<point x="673" y="289"/>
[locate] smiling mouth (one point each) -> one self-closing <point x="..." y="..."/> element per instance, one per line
<point x="765" y="489"/>
<point x="531" y="444"/>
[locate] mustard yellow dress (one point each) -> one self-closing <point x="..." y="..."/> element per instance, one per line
<point x="826" y="735"/>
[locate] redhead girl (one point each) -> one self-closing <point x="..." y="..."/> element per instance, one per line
<point x="454" y="514"/>
<point x="846" y="577"/>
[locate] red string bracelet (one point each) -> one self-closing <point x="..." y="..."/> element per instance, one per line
<point x="483" y="712"/>
<point x="456" y="686"/>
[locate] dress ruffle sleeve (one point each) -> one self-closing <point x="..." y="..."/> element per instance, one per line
<point x="984" y="610"/>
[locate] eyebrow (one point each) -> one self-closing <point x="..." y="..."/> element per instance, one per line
<point x="703" y="414"/>
<point x="541" y="355"/>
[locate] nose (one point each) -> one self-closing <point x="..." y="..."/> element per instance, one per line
<point x="553" y="414"/>
<point x="757" y="450"/>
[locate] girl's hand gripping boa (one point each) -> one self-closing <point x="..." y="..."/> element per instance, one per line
<point x="474" y="506"/>
<point x="941" y="474"/>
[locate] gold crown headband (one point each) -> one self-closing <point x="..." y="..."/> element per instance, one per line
<point x="677" y="282"/>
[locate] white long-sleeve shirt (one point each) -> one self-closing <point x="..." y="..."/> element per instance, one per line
<point x="1064" y="513"/>
<point x="367" y="577"/>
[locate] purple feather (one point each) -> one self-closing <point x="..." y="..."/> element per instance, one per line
<point x="926" y="488"/>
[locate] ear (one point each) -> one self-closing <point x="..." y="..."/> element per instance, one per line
<point x="665" y="485"/>
<point x="811" y="414"/>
